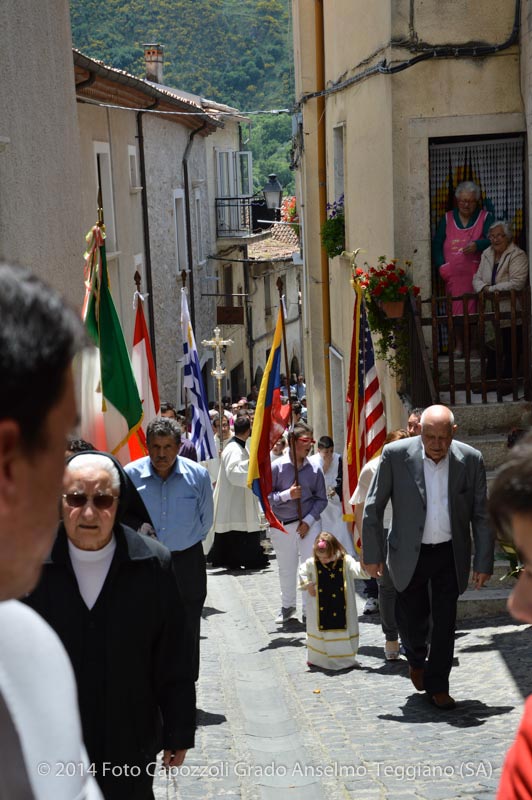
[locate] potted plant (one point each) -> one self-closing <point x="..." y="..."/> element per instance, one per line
<point x="332" y="231"/>
<point x="386" y="288"/>
<point x="289" y="213"/>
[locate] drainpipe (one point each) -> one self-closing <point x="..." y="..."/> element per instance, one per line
<point x="322" y="201"/>
<point x="146" y="228"/>
<point x="249" y="317"/>
<point x="190" y="259"/>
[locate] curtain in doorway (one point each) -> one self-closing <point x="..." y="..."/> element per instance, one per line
<point x="496" y="165"/>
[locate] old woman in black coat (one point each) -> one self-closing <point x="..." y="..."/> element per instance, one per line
<point x="110" y="594"/>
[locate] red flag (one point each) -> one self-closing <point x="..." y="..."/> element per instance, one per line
<point x="146" y="378"/>
<point x="366" y="425"/>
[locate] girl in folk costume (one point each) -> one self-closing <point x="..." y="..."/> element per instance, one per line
<point x="332" y="617"/>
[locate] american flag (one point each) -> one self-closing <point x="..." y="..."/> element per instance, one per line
<point x="201" y="433"/>
<point x="366" y="429"/>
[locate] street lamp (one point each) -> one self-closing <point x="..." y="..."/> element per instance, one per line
<point x="273" y="192"/>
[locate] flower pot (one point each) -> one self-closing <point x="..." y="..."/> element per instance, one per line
<point x="394" y="309"/>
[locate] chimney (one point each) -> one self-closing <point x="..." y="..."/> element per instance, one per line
<point x="153" y="59"/>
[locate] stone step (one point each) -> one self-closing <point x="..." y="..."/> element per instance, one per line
<point x="489" y="601"/>
<point x="459" y="370"/>
<point x="501" y="568"/>
<point x="476" y="420"/>
<point x="493" y="446"/>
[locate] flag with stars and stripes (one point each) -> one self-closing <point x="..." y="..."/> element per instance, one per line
<point x="201" y="433"/>
<point x="366" y="428"/>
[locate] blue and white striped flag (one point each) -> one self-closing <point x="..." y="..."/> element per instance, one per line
<point x="201" y="436"/>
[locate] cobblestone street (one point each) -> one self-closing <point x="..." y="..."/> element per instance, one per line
<point x="269" y="727"/>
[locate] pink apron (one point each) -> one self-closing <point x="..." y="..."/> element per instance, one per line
<point x="458" y="270"/>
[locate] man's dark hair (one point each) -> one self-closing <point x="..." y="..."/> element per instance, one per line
<point x="241" y="424"/>
<point x="166" y="406"/>
<point x="416" y="412"/>
<point x="39" y="336"/>
<point x="163" y="426"/>
<point x="79" y="446"/>
<point x="325" y="442"/>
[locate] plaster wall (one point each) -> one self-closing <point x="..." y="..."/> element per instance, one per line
<point x="118" y="130"/>
<point x="309" y="177"/>
<point x="40" y="225"/>
<point x="264" y="324"/>
<point x="369" y="201"/>
<point x="359" y="30"/>
<point x="457" y="22"/>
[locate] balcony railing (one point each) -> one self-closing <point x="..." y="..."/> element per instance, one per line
<point x="242" y="216"/>
<point x="496" y="355"/>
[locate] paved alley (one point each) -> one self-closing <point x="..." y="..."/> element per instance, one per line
<point x="269" y="727"/>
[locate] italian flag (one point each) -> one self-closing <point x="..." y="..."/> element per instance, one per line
<point x="111" y="409"/>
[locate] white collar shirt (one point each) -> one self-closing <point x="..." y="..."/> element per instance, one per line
<point x="437" y="522"/>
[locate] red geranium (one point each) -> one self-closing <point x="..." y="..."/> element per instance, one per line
<point x="387" y="281"/>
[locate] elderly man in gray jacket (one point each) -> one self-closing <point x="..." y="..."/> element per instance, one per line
<point x="437" y="487"/>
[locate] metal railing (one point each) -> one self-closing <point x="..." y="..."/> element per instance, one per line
<point x="496" y="347"/>
<point x="241" y="216"/>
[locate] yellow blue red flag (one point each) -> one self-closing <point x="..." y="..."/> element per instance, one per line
<point x="269" y="423"/>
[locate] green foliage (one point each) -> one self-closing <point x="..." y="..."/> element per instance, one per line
<point x="333" y="235"/>
<point x="391" y="343"/>
<point x="332" y="231"/>
<point x="270" y="145"/>
<point x="237" y="52"/>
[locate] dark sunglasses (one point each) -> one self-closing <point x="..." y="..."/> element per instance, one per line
<point x="79" y="499"/>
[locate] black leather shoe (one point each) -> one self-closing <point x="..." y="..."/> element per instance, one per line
<point x="443" y="701"/>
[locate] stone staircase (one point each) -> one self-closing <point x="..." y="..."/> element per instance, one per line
<point x="486" y="427"/>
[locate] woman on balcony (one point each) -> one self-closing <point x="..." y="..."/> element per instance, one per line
<point x="503" y="267"/>
<point x="457" y="247"/>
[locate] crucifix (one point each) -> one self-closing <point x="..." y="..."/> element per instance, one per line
<point x="218" y="372"/>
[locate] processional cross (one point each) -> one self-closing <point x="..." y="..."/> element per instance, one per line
<point x="217" y="344"/>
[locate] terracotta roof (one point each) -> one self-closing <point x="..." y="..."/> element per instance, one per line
<point x="281" y="244"/>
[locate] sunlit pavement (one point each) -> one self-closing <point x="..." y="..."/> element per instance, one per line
<point x="269" y="727"/>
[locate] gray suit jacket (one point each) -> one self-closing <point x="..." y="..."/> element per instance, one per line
<point x="400" y="478"/>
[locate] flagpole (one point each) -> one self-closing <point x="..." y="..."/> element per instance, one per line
<point x="184" y="282"/>
<point x="292" y="441"/>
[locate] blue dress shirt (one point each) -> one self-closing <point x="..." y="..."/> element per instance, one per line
<point x="181" y="506"/>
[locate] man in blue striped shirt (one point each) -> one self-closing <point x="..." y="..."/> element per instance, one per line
<point x="178" y="495"/>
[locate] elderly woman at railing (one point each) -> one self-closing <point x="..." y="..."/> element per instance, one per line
<point x="503" y="267"/>
<point x="457" y="247"/>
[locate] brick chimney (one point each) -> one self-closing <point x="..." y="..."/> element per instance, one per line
<point x="153" y="59"/>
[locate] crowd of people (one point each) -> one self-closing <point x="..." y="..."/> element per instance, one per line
<point x="113" y="594"/>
